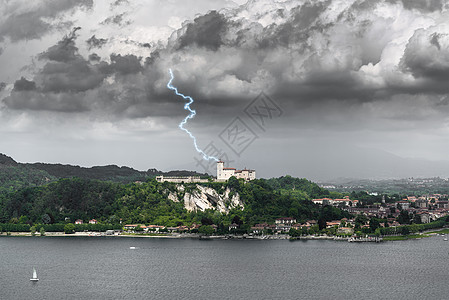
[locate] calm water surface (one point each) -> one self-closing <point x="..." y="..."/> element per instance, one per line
<point x="106" y="268"/>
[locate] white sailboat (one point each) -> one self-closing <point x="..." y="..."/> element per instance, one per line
<point x="34" y="275"/>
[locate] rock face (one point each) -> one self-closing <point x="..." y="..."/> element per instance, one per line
<point x="203" y="198"/>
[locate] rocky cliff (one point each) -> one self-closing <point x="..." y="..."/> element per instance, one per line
<point x="202" y="198"/>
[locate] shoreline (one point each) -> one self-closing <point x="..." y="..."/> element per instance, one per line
<point x="392" y="238"/>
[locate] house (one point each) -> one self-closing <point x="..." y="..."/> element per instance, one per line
<point x="93" y="221"/>
<point x="345" y="230"/>
<point x="183" y="228"/>
<point x="133" y="226"/>
<point x="297" y="226"/>
<point x="283" y="228"/>
<point x="195" y="226"/>
<point x="259" y="228"/>
<point x="289" y="221"/>
<point x="155" y="228"/>
<point x="332" y="224"/>
<point x="442" y="204"/>
<point x="284" y="224"/>
<point x="233" y="226"/>
<point x="79" y="221"/>
<point x="322" y="201"/>
<point x="411" y="199"/>
<point x="421" y="203"/>
<point x="403" y="204"/>
<point x="425" y="217"/>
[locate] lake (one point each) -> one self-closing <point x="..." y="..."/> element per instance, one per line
<point x="106" y="268"/>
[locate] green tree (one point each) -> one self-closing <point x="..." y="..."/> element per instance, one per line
<point x="361" y="219"/>
<point x="234" y="183"/>
<point x="322" y="223"/>
<point x="405" y="230"/>
<point x="374" y="224"/>
<point x="294" y="233"/>
<point x="413" y="228"/>
<point x="314" y="229"/>
<point x="23" y="220"/>
<point x="206" y="221"/>
<point x="42" y="231"/>
<point x="377" y="232"/>
<point x="404" y="217"/>
<point x="69" y="228"/>
<point x="33" y="230"/>
<point x="206" y="230"/>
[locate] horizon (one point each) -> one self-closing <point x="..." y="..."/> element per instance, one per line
<point x="334" y="181"/>
<point x="320" y="90"/>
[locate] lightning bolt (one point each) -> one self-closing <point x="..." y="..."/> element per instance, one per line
<point x="190" y="116"/>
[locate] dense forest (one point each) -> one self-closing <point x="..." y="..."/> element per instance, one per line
<point x="147" y="202"/>
<point x="52" y="193"/>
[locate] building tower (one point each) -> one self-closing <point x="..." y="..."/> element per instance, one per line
<point x="220" y="173"/>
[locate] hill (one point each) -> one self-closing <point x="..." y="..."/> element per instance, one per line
<point x="14" y="175"/>
<point x="150" y="202"/>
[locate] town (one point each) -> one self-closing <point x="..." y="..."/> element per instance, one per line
<point x="411" y="210"/>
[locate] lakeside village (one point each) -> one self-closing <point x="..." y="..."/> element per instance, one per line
<point x="370" y="224"/>
<point x="367" y="222"/>
<point x="410" y="215"/>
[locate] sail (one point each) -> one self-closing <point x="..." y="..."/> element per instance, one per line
<point x="34" y="273"/>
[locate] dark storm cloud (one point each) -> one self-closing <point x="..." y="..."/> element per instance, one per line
<point x="434" y="40"/>
<point x="94" y="57"/>
<point x="306" y="55"/>
<point x="117" y="20"/>
<point x="2" y="86"/>
<point x="24" y="26"/>
<point x="309" y="56"/>
<point x="427" y="56"/>
<point x="35" y="100"/>
<point x="68" y="82"/>
<point x="95" y="42"/>
<point x="64" y="51"/>
<point x="296" y="30"/>
<point x="21" y="24"/>
<point x="127" y="64"/>
<point x="61" y="83"/>
<point x="205" y="31"/>
<point x="124" y="65"/>
<point x="24" y="85"/>
<point x="424" y="5"/>
<point x="66" y="70"/>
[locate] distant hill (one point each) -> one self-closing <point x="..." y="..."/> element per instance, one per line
<point x="14" y="175"/>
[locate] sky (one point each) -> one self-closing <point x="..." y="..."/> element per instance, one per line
<point x="315" y="89"/>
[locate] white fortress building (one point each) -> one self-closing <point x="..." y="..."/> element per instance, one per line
<point x="224" y="174"/>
